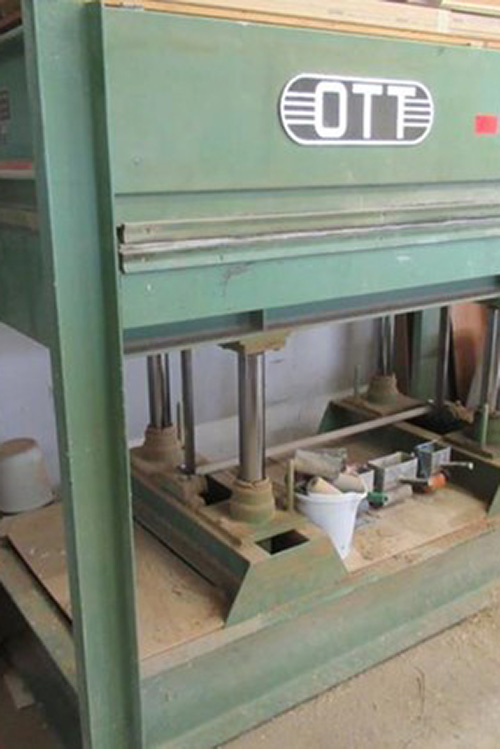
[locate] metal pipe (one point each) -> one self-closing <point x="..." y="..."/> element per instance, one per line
<point x="318" y="440"/>
<point x="160" y="412"/>
<point x="444" y="356"/>
<point x="391" y="343"/>
<point x="251" y="388"/>
<point x="167" y="402"/>
<point x="188" y="411"/>
<point x="155" y="390"/>
<point x="489" y="358"/>
<point x="386" y="356"/>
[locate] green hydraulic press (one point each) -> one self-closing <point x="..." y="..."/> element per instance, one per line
<point x="168" y="181"/>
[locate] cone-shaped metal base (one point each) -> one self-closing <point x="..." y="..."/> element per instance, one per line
<point x="252" y="502"/>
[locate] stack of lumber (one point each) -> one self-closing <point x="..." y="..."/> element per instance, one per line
<point x="479" y="26"/>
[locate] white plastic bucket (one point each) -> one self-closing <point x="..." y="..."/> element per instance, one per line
<point x="24" y="482"/>
<point x="335" y="514"/>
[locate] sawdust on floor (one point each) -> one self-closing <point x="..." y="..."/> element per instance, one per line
<point x="441" y="694"/>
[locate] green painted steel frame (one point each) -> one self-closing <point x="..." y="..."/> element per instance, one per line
<point x="200" y="695"/>
<point x="64" y="60"/>
<point x="71" y="296"/>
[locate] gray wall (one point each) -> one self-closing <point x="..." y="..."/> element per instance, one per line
<point x="314" y="365"/>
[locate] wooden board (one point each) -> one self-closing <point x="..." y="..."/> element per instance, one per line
<point x="175" y="605"/>
<point x="413" y="523"/>
<point x="371" y="17"/>
<point x="469" y="322"/>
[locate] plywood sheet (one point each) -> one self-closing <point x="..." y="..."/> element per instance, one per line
<point x="469" y="322"/>
<point x="174" y="604"/>
<point x="417" y="521"/>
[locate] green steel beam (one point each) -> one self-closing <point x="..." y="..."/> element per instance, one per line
<point x="77" y="250"/>
<point x="360" y="625"/>
<point x="229" y="287"/>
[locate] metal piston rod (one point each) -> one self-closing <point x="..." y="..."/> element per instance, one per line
<point x="387" y="335"/>
<point x="188" y="412"/>
<point x="251" y="388"/>
<point x="252" y="500"/>
<point x="160" y="410"/>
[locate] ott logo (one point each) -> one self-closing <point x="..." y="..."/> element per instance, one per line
<point x="329" y="110"/>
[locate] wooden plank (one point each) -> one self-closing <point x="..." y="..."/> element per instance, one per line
<point x="412" y="524"/>
<point x="175" y="605"/>
<point x="469" y="323"/>
<point x="372" y="17"/>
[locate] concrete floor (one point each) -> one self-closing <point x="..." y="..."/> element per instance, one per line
<point x="442" y="694"/>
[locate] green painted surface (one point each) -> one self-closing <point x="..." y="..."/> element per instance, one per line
<point x="77" y="248"/>
<point x="207" y="119"/>
<point x="314" y="649"/>
<point x="195" y="134"/>
<point x="424" y="353"/>
<point x="231" y="287"/>
<point x="15" y="127"/>
<point x="25" y="280"/>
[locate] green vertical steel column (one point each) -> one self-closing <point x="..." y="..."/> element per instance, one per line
<point x="77" y="237"/>
<point x="425" y="353"/>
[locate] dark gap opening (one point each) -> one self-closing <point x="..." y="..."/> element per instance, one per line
<point x="216" y="492"/>
<point x="282" y="542"/>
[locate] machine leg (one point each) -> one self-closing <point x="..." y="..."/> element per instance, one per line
<point x="64" y="64"/>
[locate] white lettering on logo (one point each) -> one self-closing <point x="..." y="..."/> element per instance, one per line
<point x="341" y="110"/>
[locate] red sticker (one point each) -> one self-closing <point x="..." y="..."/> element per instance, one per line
<point x="486" y="124"/>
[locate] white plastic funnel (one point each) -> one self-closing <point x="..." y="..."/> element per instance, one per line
<point x="335" y="514"/>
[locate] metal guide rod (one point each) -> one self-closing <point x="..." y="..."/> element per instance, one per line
<point x="160" y="411"/>
<point x="251" y="388"/>
<point x="444" y="356"/>
<point x="318" y="440"/>
<point x="387" y="345"/>
<point x="188" y="410"/>
<point x="489" y="358"/>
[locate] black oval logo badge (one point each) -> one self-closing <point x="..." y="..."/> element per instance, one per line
<point x="330" y="110"/>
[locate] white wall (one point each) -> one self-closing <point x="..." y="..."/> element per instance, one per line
<point x="314" y="365"/>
